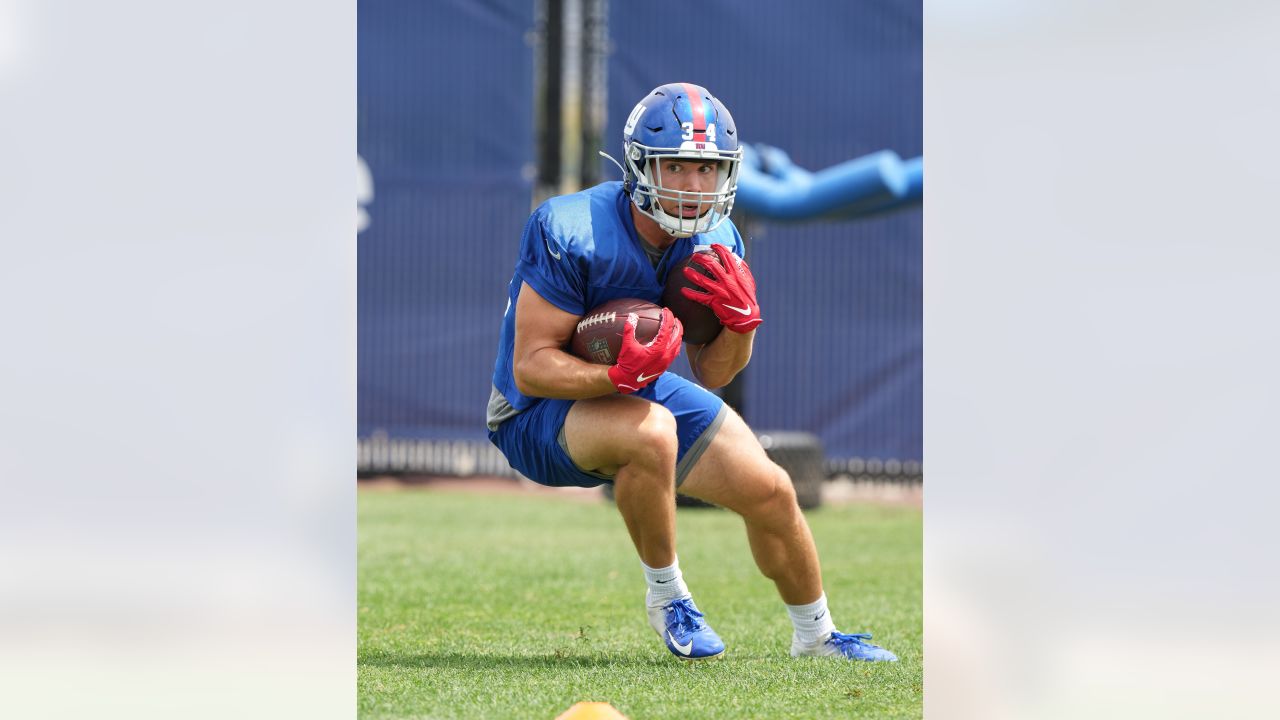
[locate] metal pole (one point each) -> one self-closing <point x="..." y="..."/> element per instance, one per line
<point x="547" y="96"/>
<point x="595" y="96"/>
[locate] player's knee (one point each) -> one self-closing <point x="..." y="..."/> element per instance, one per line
<point x="655" y="435"/>
<point x="780" y="495"/>
<point x="785" y="491"/>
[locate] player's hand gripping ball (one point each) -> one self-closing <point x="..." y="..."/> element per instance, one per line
<point x="701" y="325"/>
<point x="712" y="289"/>
<point x="638" y="338"/>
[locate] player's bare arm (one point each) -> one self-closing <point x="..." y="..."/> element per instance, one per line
<point x="719" y="361"/>
<point x="541" y="366"/>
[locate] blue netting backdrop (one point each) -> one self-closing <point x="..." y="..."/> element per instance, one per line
<point x="445" y="126"/>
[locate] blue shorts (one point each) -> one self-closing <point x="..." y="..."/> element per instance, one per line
<point x="533" y="440"/>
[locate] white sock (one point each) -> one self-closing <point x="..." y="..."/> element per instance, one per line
<point x="665" y="584"/>
<point x="812" y="621"/>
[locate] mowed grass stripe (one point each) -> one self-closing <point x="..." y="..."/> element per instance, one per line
<point x="517" y="606"/>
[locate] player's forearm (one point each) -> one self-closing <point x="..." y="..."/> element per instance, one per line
<point x="721" y="360"/>
<point x="552" y="373"/>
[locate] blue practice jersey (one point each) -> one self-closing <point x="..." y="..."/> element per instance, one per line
<point x="579" y="251"/>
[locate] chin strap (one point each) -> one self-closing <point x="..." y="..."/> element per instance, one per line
<point x="604" y="154"/>
<point x="610" y="158"/>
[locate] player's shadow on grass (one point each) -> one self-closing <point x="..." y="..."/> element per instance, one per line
<point x="485" y="661"/>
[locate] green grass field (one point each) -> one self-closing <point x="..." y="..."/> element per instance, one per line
<point x="518" y="606"/>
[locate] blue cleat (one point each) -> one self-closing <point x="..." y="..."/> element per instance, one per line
<point x="680" y="625"/>
<point x="838" y="644"/>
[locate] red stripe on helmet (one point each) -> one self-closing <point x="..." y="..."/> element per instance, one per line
<point x="699" y="111"/>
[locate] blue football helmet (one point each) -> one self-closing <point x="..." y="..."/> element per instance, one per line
<point x="681" y="121"/>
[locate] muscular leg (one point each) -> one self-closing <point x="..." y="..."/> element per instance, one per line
<point x="735" y="473"/>
<point x="636" y="439"/>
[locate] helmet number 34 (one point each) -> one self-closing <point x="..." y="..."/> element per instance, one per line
<point x="688" y="131"/>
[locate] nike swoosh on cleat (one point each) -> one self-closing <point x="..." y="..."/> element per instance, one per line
<point x="740" y="310"/>
<point x="684" y="649"/>
<point x="645" y="378"/>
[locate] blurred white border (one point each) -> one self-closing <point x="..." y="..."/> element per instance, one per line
<point x="178" y="417"/>
<point x="13" y="26"/>
<point x="1100" y="359"/>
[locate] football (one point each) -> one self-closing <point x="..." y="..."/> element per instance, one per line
<point x="701" y="325"/>
<point x="598" y="337"/>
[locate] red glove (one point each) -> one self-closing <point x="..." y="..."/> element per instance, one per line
<point x="730" y="291"/>
<point x="639" y="364"/>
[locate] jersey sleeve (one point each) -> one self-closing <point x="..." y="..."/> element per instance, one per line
<point x="738" y="247"/>
<point x="728" y="236"/>
<point x="551" y="270"/>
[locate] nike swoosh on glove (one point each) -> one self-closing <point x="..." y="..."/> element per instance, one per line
<point x="730" y="292"/>
<point x="640" y="363"/>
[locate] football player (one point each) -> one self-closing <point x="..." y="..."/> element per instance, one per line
<point x="563" y="421"/>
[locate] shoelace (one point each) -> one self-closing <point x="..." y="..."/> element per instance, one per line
<point x="840" y="640"/>
<point x="685" y="616"/>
